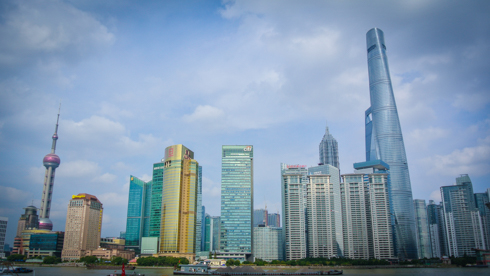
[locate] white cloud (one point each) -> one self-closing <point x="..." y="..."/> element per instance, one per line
<point x="204" y="113"/>
<point x="472" y="101"/>
<point x="78" y="169"/>
<point x="105" y="178"/>
<point x="436" y="196"/>
<point x="113" y="199"/>
<point x="469" y="160"/>
<point x="9" y="194"/>
<point x="50" y="30"/>
<point x="422" y="138"/>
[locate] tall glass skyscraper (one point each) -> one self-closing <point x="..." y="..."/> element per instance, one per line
<point x="138" y="220"/>
<point x="179" y="203"/>
<point x="156" y="199"/>
<point x="237" y="201"/>
<point x="329" y="150"/>
<point x="384" y="141"/>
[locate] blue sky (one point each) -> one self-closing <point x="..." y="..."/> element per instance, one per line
<point x="137" y="76"/>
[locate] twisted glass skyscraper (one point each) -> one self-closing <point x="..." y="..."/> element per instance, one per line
<point x="384" y="141"/>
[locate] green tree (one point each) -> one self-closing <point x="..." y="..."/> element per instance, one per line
<point x="230" y="262"/>
<point x="89" y="259"/>
<point x="16" y="258"/>
<point x="51" y="260"/>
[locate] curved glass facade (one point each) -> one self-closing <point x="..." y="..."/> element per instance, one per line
<point x="384" y="141"/>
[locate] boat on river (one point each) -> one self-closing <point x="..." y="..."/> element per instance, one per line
<point x="204" y="269"/>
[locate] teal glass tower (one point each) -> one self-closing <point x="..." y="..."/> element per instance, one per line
<point x="236" y="232"/>
<point x="384" y="141"/>
<point x="138" y="220"/>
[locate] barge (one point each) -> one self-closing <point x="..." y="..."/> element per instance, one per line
<point x="204" y="269"/>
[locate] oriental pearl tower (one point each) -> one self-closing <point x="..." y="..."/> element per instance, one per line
<point x="51" y="161"/>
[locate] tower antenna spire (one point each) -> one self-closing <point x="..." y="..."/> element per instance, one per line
<point x="55" y="135"/>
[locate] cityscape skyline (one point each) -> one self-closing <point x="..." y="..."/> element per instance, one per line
<point x="439" y="84"/>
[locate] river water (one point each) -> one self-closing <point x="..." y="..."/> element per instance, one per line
<point x="76" y="271"/>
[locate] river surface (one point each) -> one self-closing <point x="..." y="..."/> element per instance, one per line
<point x="77" y="271"/>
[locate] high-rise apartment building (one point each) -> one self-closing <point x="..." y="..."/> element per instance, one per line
<point x="237" y="201"/>
<point x="384" y="141"/>
<point x="83" y="225"/>
<point x="261" y="217"/>
<point x="293" y="191"/>
<point x="3" y="231"/>
<point x="138" y="220"/>
<point x="179" y="203"/>
<point x="274" y="220"/>
<point x="366" y="211"/>
<point x="463" y="221"/>
<point x="329" y="150"/>
<point x="423" y="233"/>
<point x="51" y="162"/>
<point x="268" y="243"/>
<point x="433" y="220"/>
<point x="330" y="176"/>
<point x="321" y="224"/>
<point x="356" y="215"/>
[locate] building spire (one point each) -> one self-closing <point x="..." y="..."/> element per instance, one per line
<point x="55" y="135"/>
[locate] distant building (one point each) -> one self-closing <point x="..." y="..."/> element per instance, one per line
<point x="293" y="191"/>
<point x="28" y="221"/>
<point x="45" y="244"/>
<point x="434" y="219"/>
<point x="138" y="219"/>
<point x="236" y="202"/>
<point x="122" y="235"/>
<point x="113" y="243"/>
<point x="199" y="215"/>
<point x="329" y="150"/>
<point x="481" y="199"/>
<point x="108" y="254"/>
<point x="149" y="246"/>
<point x="268" y="243"/>
<point x="3" y="232"/>
<point x="274" y="220"/>
<point x="422" y="223"/>
<point x="83" y="226"/>
<point x="261" y="217"/>
<point x="215" y="233"/>
<point x="463" y="222"/>
<point x="179" y="203"/>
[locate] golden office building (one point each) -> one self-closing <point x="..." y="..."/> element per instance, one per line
<point x="179" y="203"/>
<point x="83" y="225"/>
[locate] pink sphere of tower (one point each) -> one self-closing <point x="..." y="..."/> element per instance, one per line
<point x="51" y="160"/>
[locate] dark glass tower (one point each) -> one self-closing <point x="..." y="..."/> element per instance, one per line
<point x="329" y="150"/>
<point x="384" y="141"/>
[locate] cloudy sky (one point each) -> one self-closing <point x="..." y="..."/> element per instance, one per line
<point x="137" y="76"/>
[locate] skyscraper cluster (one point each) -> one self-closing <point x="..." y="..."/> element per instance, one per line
<point x="166" y="216"/>
<point x="369" y="213"/>
<point x="457" y="225"/>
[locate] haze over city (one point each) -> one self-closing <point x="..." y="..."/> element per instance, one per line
<point x="136" y="77"/>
